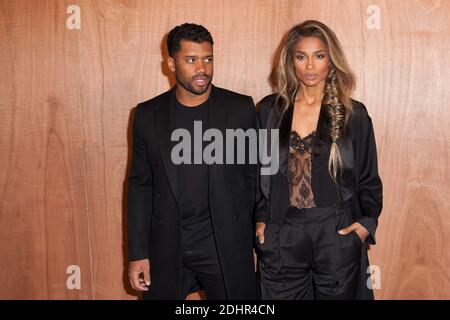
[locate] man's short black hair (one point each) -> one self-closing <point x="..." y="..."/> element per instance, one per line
<point x="187" y="31"/>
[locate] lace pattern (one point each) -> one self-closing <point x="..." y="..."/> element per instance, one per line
<point x="299" y="171"/>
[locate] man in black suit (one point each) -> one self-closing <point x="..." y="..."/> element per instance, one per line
<point x="190" y="224"/>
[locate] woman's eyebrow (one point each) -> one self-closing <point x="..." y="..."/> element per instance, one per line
<point x="322" y="50"/>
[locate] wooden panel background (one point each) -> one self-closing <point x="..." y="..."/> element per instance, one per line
<point x="66" y="97"/>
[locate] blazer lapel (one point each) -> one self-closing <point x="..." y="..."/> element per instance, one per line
<point x="283" y="122"/>
<point x="164" y="128"/>
<point x="272" y="122"/>
<point x="285" y="126"/>
<point x="321" y="144"/>
<point x="321" y="141"/>
<point x="216" y="114"/>
<point x="217" y="119"/>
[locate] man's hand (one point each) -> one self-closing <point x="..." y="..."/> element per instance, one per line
<point x="358" y="228"/>
<point x="135" y="268"/>
<point x="260" y="227"/>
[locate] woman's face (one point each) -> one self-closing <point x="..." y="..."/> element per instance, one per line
<point x="311" y="61"/>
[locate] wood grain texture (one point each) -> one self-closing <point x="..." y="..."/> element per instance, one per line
<point x="66" y="98"/>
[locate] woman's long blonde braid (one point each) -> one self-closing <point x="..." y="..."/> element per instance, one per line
<point x="337" y="112"/>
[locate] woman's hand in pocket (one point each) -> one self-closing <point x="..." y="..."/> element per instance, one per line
<point x="358" y="228"/>
<point x="260" y="227"/>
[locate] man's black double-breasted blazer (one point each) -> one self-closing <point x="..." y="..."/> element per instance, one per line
<point x="154" y="222"/>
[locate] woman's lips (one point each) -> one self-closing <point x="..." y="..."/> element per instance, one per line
<point x="310" y="76"/>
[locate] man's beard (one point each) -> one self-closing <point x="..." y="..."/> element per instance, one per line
<point x="190" y="88"/>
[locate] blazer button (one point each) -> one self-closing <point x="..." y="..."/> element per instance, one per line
<point x="229" y="188"/>
<point x="236" y="217"/>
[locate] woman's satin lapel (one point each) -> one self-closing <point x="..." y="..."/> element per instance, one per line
<point x="285" y="125"/>
<point x="348" y="180"/>
<point x="321" y="145"/>
<point x="321" y="141"/>
<point x="273" y="120"/>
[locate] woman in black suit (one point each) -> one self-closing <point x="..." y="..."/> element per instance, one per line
<point x="320" y="211"/>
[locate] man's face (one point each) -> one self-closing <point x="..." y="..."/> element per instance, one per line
<point x="193" y="66"/>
